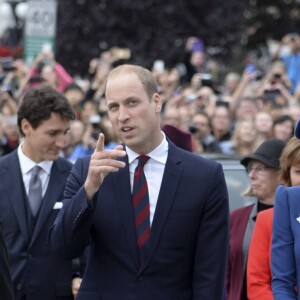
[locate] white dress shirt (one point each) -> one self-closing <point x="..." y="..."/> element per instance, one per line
<point x="153" y="169"/>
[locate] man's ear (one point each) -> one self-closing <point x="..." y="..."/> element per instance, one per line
<point x="157" y="102"/>
<point x="26" y="126"/>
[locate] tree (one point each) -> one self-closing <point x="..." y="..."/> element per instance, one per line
<point x="155" y="29"/>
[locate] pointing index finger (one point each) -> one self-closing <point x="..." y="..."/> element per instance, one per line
<point x="100" y="143"/>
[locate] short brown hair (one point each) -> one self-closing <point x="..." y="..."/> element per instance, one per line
<point x="39" y="103"/>
<point x="144" y="75"/>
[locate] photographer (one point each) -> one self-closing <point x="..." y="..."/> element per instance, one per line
<point x="89" y="136"/>
<point x="13" y="74"/>
<point x="97" y="124"/>
<point x="203" y="140"/>
<point x="50" y="70"/>
<point x="274" y="88"/>
<point x="292" y="59"/>
<point x="8" y="105"/>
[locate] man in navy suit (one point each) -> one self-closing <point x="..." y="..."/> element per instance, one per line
<point x="177" y="247"/>
<point x="6" y="290"/>
<point x="43" y="120"/>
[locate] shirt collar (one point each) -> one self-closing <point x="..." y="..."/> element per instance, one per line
<point x="160" y="153"/>
<point x="26" y="164"/>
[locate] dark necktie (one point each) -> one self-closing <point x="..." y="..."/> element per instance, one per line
<point x="35" y="190"/>
<point x="140" y="198"/>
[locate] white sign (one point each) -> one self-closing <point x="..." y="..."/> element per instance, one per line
<point x="41" y="18"/>
<point x="40" y="28"/>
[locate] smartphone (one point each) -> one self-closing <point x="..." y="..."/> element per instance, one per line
<point x="159" y="65"/>
<point x="46" y="48"/>
<point x="190" y="97"/>
<point x="250" y="68"/>
<point x="121" y="53"/>
<point x="206" y="79"/>
<point x="270" y="96"/>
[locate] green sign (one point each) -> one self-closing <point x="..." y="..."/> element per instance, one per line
<point x="40" y="28"/>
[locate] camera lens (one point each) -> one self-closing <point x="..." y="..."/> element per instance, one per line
<point x="193" y="129"/>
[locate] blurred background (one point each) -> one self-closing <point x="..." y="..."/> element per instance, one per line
<point x="231" y="31"/>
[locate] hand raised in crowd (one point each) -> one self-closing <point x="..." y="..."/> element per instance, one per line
<point x="290" y="37"/>
<point x="102" y="163"/>
<point x="46" y="56"/>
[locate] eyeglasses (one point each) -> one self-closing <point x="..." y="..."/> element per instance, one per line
<point x="201" y="124"/>
<point x="258" y="170"/>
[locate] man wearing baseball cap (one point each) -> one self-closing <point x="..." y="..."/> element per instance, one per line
<point x="262" y="166"/>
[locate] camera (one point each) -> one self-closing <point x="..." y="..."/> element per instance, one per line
<point x="95" y="122"/>
<point x="270" y="96"/>
<point x="7" y="88"/>
<point x="190" y="97"/>
<point x="6" y="64"/>
<point x="193" y="129"/>
<point x="259" y="75"/>
<point x="277" y="76"/>
<point x="206" y="79"/>
<point x="95" y="134"/>
<point x="121" y="53"/>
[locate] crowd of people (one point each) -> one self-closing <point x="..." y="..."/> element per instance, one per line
<point x="179" y="219"/>
<point x="230" y="114"/>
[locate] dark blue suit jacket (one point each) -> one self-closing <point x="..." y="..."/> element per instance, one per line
<point x="35" y="270"/>
<point x="6" y="289"/>
<point x="285" y="254"/>
<point x="188" y="240"/>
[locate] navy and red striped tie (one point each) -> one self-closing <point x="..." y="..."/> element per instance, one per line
<point x="140" y="199"/>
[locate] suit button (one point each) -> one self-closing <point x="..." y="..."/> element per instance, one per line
<point x="140" y="278"/>
<point x="19" y="286"/>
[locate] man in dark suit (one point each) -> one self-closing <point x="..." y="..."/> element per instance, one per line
<point x="6" y="290"/>
<point x="168" y="238"/>
<point x="43" y="120"/>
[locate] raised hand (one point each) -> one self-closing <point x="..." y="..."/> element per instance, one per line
<point x="102" y="163"/>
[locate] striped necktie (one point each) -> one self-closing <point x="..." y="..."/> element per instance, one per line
<point x="140" y="199"/>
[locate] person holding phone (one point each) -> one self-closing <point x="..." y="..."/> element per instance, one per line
<point x="291" y="59"/>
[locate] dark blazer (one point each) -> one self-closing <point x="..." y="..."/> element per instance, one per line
<point x="6" y="289"/>
<point x="35" y="270"/>
<point x="285" y="253"/>
<point x="188" y="241"/>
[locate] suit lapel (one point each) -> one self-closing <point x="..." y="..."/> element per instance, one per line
<point x="170" y="182"/>
<point x="54" y="190"/>
<point x="169" y="185"/>
<point x="121" y="182"/>
<point x="16" y="192"/>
